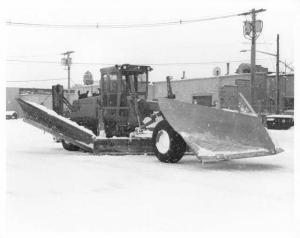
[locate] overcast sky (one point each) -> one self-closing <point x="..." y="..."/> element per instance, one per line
<point x="212" y="41"/>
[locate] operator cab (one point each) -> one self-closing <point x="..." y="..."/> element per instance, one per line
<point x="122" y="86"/>
<point x="126" y="78"/>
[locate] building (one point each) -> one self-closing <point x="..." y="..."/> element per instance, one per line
<point x="40" y="96"/>
<point x="11" y="104"/>
<point x="211" y="91"/>
<point x="286" y="82"/>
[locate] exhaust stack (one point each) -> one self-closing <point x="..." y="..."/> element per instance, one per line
<point x="227" y="66"/>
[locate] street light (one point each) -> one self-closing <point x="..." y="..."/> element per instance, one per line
<point x="267" y="53"/>
<point x="263" y="52"/>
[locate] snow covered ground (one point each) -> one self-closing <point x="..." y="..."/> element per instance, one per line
<point x="50" y="189"/>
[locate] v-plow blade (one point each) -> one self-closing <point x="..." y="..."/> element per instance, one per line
<point x="60" y="127"/>
<point x="63" y="128"/>
<point x="216" y="134"/>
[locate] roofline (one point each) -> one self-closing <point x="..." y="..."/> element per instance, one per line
<point x="215" y="77"/>
<point x="281" y="74"/>
<point x="30" y="88"/>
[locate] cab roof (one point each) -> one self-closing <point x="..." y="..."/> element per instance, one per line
<point x="136" y="69"/>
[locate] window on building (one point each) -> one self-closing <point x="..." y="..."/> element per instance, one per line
<point x="203" y="100"/>
<point x="288" y="103"/>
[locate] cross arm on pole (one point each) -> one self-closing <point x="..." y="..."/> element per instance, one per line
<point x="68" y="53"/>
<point x="251" y="12"/>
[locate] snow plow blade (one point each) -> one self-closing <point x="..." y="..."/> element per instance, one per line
<point x="216" y="134"/>
<point x="59" y="126"/>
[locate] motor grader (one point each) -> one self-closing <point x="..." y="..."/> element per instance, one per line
<point x="121" y="120"/>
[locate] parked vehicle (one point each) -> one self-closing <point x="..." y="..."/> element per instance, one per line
<point x="11" y="115"/>
<point x="279" y="121"/>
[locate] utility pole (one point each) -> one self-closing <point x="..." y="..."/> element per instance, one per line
<point x="277" y="78"/>
<point x="67" y="61"/>
<point x="253" y="55"/>
<point x="250" y="30"/>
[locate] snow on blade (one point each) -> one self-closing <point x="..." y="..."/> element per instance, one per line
<point x="53" y="113"/>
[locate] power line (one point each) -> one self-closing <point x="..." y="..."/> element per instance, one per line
<point x="156" y="64"/>
<point x="36" y="80"/>
<point x="54" y="62"/>
<point x="32" y="56"/>
<point x="33" y="61"/>
<point x="135" y="25"/>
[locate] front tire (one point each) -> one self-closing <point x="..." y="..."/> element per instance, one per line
<point x="68" y="146"/>
<point x="168" y="145"/>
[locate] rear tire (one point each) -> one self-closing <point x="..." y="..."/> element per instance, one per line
<point x="68" y="146"/>
<point x="168" y="145"/>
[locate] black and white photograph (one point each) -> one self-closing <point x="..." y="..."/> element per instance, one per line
<point x="149" y="117"/>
